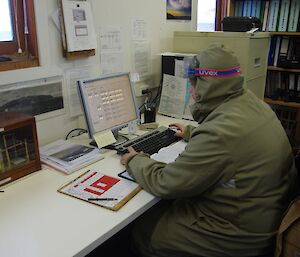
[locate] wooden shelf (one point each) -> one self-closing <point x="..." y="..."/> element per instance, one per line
<point x="283" y="33"/>
<point x="78" y="54"/>
<point x="274" y="68"/>
<point x="282" y="103"/>
<point x="19" y="64"/>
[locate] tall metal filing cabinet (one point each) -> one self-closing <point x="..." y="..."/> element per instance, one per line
<point x="250" y="48"/>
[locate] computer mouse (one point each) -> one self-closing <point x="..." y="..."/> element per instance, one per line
<point x="174" y="129"/>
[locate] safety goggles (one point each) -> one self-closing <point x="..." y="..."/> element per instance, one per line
<point x="192" y="70"/>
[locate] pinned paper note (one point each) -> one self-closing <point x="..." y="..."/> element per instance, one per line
<point x="104" y="138"/>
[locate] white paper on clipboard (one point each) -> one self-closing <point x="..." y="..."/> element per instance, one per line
<point x="79" y="26"/>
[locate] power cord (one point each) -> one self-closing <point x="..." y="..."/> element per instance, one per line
<point x="78" y="130"/>
<point x="156" y="98"/>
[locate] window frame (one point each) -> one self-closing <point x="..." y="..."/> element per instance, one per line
<point x="222" y="10"/>
<point x="10" y="48"/>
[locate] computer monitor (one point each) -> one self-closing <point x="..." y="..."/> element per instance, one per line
<point x="108" y="103"/>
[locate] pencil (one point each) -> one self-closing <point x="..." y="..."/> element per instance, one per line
<point x="102" y="199"/>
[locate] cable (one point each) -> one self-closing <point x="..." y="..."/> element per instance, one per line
<point x="16" y="26"/>
<point x="156" y="99"/>
<point x="80" y="131"/>
<point x="26" y="31"/>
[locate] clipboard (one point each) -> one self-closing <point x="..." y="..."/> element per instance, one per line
<point x="64" y="17"/>
<point x="112" y="192"/>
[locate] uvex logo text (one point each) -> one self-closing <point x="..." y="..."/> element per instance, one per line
<point x="208" y="72"/>
<point x="217" y="73"/>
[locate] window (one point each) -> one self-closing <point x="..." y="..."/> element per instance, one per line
<point x="17" y="35"/>
<point x="210" y="14"/>
<point x="6" y="31"/>
<point x="206" y="15"/>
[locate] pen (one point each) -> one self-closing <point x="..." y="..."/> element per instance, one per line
<point x="1" y="191"/>
<point x="102" y="199"/>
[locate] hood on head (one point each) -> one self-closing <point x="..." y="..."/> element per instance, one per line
<point x="212" y="91"/>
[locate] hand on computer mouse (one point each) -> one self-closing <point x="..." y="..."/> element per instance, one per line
<point x="178" y="128"/>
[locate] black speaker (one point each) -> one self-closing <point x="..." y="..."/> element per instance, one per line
<point x="240" y="23"/>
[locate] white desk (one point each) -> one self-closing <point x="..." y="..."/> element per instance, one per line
<point x="37" y="221"/>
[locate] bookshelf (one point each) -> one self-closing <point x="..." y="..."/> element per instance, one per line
<point x="284" y="64"/>
<point x="275" y="15"/>
<point x="283" y="84"/>
<point x="282" y="103"/>
<point x="282" y="90"/>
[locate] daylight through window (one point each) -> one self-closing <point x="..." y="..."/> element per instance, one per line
<point x="6" y="31"/>
<point x="18" y="39"/>
<point x="206" y="15"/>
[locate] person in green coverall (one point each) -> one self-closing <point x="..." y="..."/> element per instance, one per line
<point x="226" y="192"/>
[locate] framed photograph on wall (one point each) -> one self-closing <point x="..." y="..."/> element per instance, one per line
<point x="179" y="10"/>
<point x="42" y="97"/>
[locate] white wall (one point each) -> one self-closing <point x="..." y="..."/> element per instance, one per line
<point x="106" y="13"/>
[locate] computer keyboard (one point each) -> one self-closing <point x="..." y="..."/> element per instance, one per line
<point x="150" y="142"/>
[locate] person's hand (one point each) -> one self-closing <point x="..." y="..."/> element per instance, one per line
<point x="179" y="127"/>
<point x="126" y="156"/>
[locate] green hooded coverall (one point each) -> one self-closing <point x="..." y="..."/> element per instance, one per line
<point x="227" y="191"/>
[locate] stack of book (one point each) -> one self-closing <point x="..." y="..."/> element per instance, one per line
<point x="68" y="157"/>
<point x="284" y="52"/>
<point x="275" y="15"/>
<point x="283" y="86"/>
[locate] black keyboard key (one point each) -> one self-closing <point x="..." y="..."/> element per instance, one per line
<point x="152" y="142"/>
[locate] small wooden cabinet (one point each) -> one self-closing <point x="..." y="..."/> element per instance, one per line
<point x="19" y="151"/>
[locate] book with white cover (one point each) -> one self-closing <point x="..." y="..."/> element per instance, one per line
<point x="68" y="157"/>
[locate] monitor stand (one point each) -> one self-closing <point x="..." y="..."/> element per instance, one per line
<point x="120" y="140"/>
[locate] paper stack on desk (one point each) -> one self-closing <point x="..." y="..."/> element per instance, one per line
<point x="68" y="157"/>
<point x="170" y="153"/>
<point x="167" y="154"/>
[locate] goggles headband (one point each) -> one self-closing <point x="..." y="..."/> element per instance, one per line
<point x="192" y="70"/>
<point x="198" y="72"/>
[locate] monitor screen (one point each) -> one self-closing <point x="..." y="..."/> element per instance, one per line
<point x="108" y="102"/>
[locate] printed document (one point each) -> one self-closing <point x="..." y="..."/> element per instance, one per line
<point x="167" y="155"/>
<point x="172" y="100"/>
<point x="79" y="26"/>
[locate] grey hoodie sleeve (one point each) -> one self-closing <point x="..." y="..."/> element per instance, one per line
<point x="187" y="132"/>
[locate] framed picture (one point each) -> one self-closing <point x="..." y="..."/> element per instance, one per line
<point x="40" y="97"/>
<point x="179" y="9"/>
